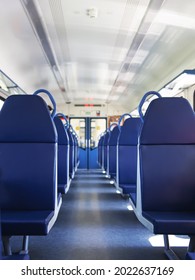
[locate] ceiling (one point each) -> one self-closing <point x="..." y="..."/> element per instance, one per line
<point x="96" y="51"/>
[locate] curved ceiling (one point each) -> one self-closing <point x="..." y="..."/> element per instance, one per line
<point x="100" y="51"/>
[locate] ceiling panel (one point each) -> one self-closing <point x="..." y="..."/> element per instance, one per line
<point x="132" y="46"/>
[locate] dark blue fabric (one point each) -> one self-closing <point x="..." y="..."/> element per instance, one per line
<point x="63" y="138"/>
<point x="112" y="150"/>
<point x="100" y="142"/>
<point x="127" y="161"/>
<point x="112" y="160"/>
<point x="28" y="176"/>
<point x="114" y="136"/>
<point x="165" y="125"/>
<point x="127" y="152"/>
<point x="128" y="188"/>
<point x="167" y="161"/>
<point x="75" y="159"/>
<point x="63" y="155"/>
<point x="168" y="177"/>
<point x="105" y="149"/>
<point x="190" y="256"/>
<point x="28" y="179"/>
<point x="174" y="222"/>
<point x="13" y="126"/>
<point x="26" y="222"/>
<point x="71" y="153"/>
<point x="129" y="132"/>
<point x="100" y="151"/>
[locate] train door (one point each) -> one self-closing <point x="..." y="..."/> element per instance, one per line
<point x="88" y="131"/>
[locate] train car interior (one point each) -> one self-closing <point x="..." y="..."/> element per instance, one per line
<point x="97" y="130"/>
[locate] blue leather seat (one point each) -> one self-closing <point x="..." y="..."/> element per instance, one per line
<point x="166" y="177"/>
<point x="28" y="164"/>
<point x="63" y="156"/>
<point x="127" y="157"/>
<point x="112" y="143"/>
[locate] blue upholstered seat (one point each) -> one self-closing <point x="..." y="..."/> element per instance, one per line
<point x="101" y="150"/>
<point x="63" y="156"/>
<point x="190" y="256"/>
<point x="112" y="143"/>
<point x="75" y="159"/>
<point x="100" y="143"/>
<point x="28" y="164"/>
<point x="105" y="150"/>
<point x="71" y="154"/>
<point x="166" y="184"/>
<point x="127" y="155"/>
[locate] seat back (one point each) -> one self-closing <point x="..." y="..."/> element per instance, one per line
<point x="100" y="142"/>
<point x="105" y="150"/>
<point x="28" y="149"/>
<point x="71" y="153"/>
<point x="127" y="151"/>
<point x="63" y="155"/>
<point x="102" y="151"/>
<point x="167" y="157"/>
<point x="112" y="143"/>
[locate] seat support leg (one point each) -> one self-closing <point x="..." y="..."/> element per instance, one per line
<point x="25" y="244"/>
<point x="6" y="245"/>
<point x="168" y="251"/>
<point x="191" y="247"/>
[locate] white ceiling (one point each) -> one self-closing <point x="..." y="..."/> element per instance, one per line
<point x="133" y="46"/>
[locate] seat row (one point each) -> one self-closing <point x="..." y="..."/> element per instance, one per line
<point x="38" y="160"/>
<point x="152" y="159"/>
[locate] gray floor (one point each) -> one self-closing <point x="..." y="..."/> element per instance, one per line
<point x="95" y="224"/>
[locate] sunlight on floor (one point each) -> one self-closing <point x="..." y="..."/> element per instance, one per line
<point x="157" y="241"/>
<point x="129" y="207"/>
<point x="111" y="182"/>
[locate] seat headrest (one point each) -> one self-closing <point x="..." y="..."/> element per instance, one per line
<point x="130" y="132"/>
<point x="168" y="120"/>
<point x="114" y="136"/>
<point x="26" y="119"/>
<point x="63" y="138"/>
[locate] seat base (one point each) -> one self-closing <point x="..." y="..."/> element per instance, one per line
<point x="26" y="222"/>
<point x="171" y="222"/>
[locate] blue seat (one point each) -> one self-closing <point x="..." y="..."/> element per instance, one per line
<point x="71" y="154"/>
<point x="112" y="143"/>
<point x="100" y="142"/>
<point x="28" y="164"/>
<point x="190" y="256"/>
<point x="101" y="151"/>
<point x="63" y="156"/>
<point x="166" y="177"/>
<point x="127" y="157"/>
<point x="75" y="159"/>
<point x="105" y="151"/>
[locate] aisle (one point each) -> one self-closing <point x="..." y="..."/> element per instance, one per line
<point x="94" y="223"/>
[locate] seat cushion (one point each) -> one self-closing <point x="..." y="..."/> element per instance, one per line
<point x="26" y="222"/>
<point x="128" y="188"/>
<point x="190" y="256"/>
<point x="171" y="222"/>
